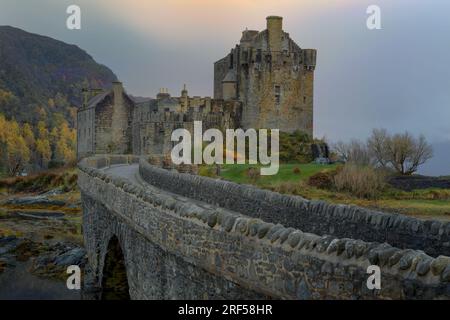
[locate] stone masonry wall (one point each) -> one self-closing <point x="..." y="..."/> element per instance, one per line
<point x="317" y="217"/>
<point x="177" y="248"/>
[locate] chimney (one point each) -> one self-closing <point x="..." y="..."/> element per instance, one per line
<point x="118" y="92"/>
<point x="275" y="31"/>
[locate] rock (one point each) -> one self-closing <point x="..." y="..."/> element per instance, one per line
<point x="76" y="205"/>
<point x="303" y="292"/>
<point x="445" y="276"/>
<point x="53" y="192"/>
<point x="406" y="261"/>
<point x="439" y="264"/>
<point x="8" y="244"/>
<point x="37" y="200"/>
<point x="423" y="266"/>
<point x="71" y="257"/>
<point x="40" y="214"/>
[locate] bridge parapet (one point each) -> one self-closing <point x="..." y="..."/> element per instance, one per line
<point x="319" y="217"/>
<point x="175" y="247"/>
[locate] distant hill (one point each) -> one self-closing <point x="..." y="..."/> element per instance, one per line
<point x="41" y="76"/>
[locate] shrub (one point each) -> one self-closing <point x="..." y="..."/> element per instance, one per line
<point x="296" y="170"/>
<point x="289" y="187"/>
<point x="296" y="147"/>
<point x="361" y="181"/>
<point x="208" y="171"/>
<point x="253" y="174"/>
<point x="55" y="164"/>
<point x="41" y="182"/>
<point x="322" y="180"/>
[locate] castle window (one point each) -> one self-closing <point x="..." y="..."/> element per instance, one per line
<point x="304" y="99"/>
<point x="231" y="61"/>
<point x="277" y="95"/>
<point x="259" y="56"/>
<point x="245" y="56"/>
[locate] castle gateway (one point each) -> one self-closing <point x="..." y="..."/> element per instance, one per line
<point x="266" y="81"/>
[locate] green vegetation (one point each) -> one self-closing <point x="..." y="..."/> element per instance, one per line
<point x="66" y="179"/>
<point x="238" y="173"/>
<point x="307" y="180"/>
<point x="23" y="147"/>
<point x="296" y="147"/>
<point x="45" y="85"/>
<point x="39" y="97"/>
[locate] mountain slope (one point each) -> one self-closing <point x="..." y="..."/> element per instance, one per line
<point x="41" y="72"/>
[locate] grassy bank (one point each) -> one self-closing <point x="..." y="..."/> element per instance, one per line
<point x="293" y="179"/>
<point x="64" y="178"/>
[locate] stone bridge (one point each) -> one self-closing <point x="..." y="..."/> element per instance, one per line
<point x="151" y="233"/>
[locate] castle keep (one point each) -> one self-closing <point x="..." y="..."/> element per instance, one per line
<point x="272" y="77"/>
<point x="266" y="81"/>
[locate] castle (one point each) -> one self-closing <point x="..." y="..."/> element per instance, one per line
<point x="266" y="81"/>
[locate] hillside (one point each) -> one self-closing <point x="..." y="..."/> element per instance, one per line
<point x="41" y="76"/>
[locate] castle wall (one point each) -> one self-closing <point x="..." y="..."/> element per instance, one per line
<point x="152" y="130"/>
<point x="221" y="68"/>
<point x="113" y="131"/>
<point x="85" y="132"/>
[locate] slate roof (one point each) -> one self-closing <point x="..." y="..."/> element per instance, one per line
<point x="98" y="98"/>
<point x="231" y="76"/>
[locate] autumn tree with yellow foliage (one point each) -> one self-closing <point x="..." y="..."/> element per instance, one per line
<point x="23" y="147"/>
<point x="15" y="152"/>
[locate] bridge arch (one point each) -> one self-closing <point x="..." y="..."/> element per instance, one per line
<point x="115" y="280"/>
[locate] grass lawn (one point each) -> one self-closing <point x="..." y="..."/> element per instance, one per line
<point x="431" y="203"/>
<point x="237" y="173"/>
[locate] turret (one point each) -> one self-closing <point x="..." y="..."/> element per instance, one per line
<point x="275" y="32"/>
<point x="184" y="99"/>
<point x="184" y="92"/>
<point x="163" y="93"/>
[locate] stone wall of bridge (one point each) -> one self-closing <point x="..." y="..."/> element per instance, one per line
<point x="317" y="217"/>
<point x="175" y="247"/>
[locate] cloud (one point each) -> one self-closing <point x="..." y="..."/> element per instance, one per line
<point x="185" y="20"/>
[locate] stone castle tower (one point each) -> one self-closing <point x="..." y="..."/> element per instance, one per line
<point x="272" y="77"/>
<point x="265" y="82"/>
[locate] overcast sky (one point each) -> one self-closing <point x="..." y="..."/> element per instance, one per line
<point x="396" y="78"/>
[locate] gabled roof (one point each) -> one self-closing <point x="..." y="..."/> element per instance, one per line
<point x="138" y="100"/>
<point x="97" y="99"/>
<point x="230" y="76"/>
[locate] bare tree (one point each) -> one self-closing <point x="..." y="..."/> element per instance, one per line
<point x="378" y="146"/>
<point x="401" y="152"/>
<point x="355" y="152"/>
<point x="406" y="153"/>
<point x="342" y="150"/>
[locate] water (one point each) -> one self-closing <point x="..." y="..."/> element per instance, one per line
<point x="17" y="283"/>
